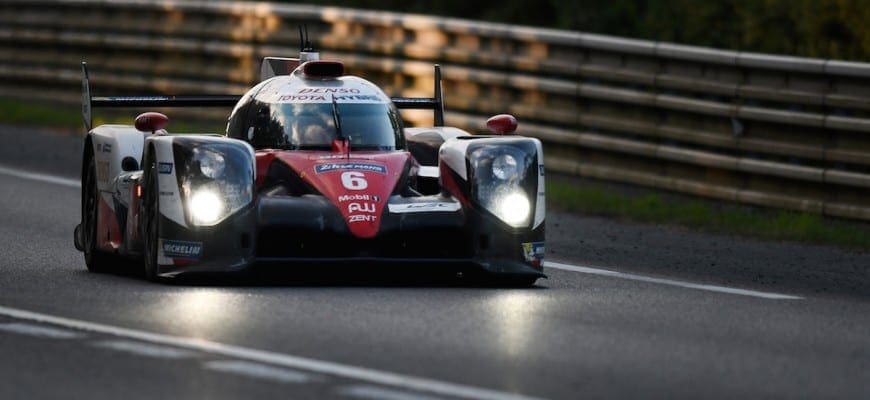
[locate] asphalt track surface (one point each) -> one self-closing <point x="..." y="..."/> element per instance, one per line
<point x="628" y="311"/>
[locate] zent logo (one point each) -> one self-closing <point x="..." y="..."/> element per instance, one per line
<point x="353" y="180"/>
<point x="362" y="218"/>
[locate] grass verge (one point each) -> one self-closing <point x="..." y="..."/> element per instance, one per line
<point x="18" y="112"/>
<point x="69" y="118"/>
<point x="705" y="215"/>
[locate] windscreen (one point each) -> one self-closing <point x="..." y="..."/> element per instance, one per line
<point x="313" y="126"/>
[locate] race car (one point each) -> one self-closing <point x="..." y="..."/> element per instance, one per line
<point x="315" y="168"/>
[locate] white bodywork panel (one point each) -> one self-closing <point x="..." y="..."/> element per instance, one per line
<point x="452" y="153"/>
<point x="427" y="206"/>
<point x="111" y="143"/>
<point x="446" y="133"/>
<point x="276" y="66"/>
<point x="167" y="184"/>
<point x="428" y="172"/>
<point x="540" y="204"/>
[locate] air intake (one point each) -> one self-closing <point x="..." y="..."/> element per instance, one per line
<point x="323" y="69"/>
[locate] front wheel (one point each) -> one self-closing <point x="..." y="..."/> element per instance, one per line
<point x="96" y="260"/>
<point x="151" y="225"/>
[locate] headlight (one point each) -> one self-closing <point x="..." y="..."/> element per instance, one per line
<point x="504" y="178"/>
<point x="513" y="209"/>
<point x="216" y="179"/>
<point x="211" y="163"/>
<point x="504" y="167"/>
<point x="206" y="207"/>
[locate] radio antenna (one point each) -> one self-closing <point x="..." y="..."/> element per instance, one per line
<point x="304" y="42"/>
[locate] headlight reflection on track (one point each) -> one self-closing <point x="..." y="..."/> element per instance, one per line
<point x="201" y="313"/>
<point x="513" y="313"/>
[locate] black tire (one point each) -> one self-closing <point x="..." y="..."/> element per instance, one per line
<point x="151" y="231"/>
<point x="96" y="260"/>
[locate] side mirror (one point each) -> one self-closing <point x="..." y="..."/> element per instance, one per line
<point x="151" y="122"/>
<point x="502" y="124"/>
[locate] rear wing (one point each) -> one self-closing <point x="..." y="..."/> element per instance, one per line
<point x="89" y="102"/>
<point x="436" y="104"/>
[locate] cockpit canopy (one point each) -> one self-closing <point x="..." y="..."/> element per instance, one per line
<point x="287" y="112"/>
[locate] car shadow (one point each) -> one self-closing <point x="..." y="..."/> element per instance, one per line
<point x="337" y="276"/>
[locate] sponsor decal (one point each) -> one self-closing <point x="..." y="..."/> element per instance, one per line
<point x="104" y="148"/>
<point x="353" y="180"/>
<point x="329" y="90"/>
<point x="433" y="206"/>
<point x="361" y="207"/>
<point x="533" y="252"/>
<point x="164" y="167"/>
<point x="353" y="166"/>
<point x="362" y="218"/>
<point x="317" y="97"/>
<point x="181" y="249"/>
<point x="102" y="171"/>
<point x="358" y="197"/>
<point x="541" y="169"/>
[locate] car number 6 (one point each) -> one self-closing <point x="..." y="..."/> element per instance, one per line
<point x="354" y="180"/>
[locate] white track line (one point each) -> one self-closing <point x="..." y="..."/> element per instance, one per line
<point x="143" y="349"/>
<point x="258" y="371"/>
<point x="286" y="360"/>
<point x="671" y="282"/>
<point x="378" y="393"/>
<point x="36" y="176"/>
<point x="39" y="331"/>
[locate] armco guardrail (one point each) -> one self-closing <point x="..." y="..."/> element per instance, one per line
<point x="766" y="130"/>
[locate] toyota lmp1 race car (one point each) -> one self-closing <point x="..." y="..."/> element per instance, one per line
<point x="315" y="168"/>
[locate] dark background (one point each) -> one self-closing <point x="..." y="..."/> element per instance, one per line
<point x="835" y="29"/>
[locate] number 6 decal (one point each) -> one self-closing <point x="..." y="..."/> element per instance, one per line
<point x="353" y="180"/>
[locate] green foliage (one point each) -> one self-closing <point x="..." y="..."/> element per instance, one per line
<point x="834" y="29"/>
<point x="732" y="219"/>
